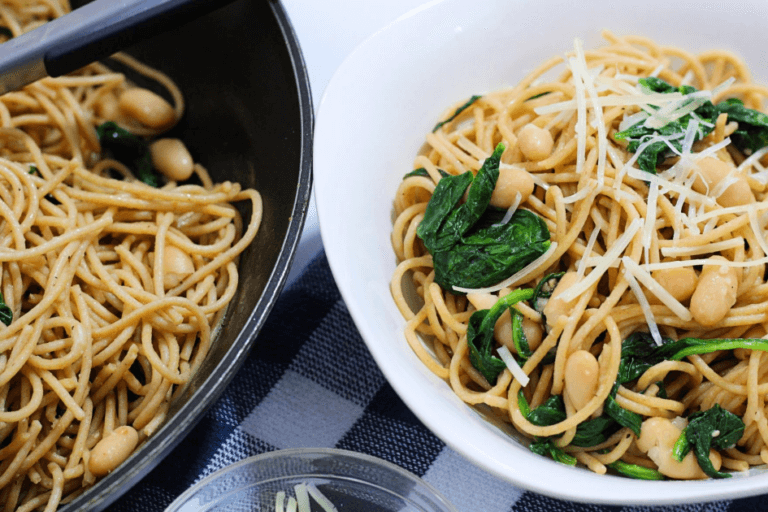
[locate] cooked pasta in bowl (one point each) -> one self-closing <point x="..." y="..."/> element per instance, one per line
<point x="573" y="288"/>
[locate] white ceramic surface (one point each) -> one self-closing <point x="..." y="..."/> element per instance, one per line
<point x="372" y="119"/>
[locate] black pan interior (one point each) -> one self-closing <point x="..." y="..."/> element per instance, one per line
<point x="249" y="120"/>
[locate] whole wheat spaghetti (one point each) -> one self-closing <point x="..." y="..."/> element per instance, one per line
<point x="111" y="288"/>
<point x="628" y="338"/>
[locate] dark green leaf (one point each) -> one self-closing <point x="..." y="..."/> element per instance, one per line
<point x="480" y="334"/>
<point x="128" y="149"/>
<point x="470" y="249"/>
<point x="522" y="403"/>
<point x="549" y="413"/>
<point x="594" y="431"/>
<point x="457" y="112"/>
<point x="635" y="471"/>
<point x="655" y="153"/>
<point x="6" y="315"/>
<point x="546" y="447"/>
<point x="423" y="172"/>
<point x="5" y="31"/>
<point x="689" y="346"/>
<point x="752" y="133"/>
<point x="518" y="336"/>
<point x="544" y="289"/>
<point x="714" y="428"/>
<point x="623" y="417"/>
<point x="490" y="255"/>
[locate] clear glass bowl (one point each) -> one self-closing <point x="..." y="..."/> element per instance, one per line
<point x="352" y="481"/>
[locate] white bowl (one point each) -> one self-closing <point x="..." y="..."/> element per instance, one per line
<point x="372" y="120"/>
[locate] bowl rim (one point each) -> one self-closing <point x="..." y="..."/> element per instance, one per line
<point x="315" y="453"/>
<point x="626" y="491"/>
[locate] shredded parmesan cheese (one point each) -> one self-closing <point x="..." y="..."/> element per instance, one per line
<point x="514" y="368"/>
<point x="605" y="262"/>
<point x="644" y="305"/>
<point x="655" y="288"/>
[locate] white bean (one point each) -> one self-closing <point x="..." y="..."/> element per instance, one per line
<point x="711" y="171"/>
<point x="557" y="307"/>
<point x="715" y="293"/>
<point x="147" y="108"/>
<point x="679" y="282"/>
<point x="582" y="376"/>
<point x="657" y="439"/>
<point x="534" y="142"/>
<point x="111" y="451"/>
<point x="510" y="183"/>
<point x="177" y="265"/>
<point x="171" y="157"/>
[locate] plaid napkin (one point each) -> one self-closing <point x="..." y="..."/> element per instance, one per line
<point x="295" y="391"/>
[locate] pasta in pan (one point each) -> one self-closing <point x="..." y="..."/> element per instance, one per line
<point x="111" y="288"/>
<point x="584" y="254"/>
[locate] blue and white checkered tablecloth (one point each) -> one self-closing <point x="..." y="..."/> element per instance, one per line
<point x="310" y="381"/>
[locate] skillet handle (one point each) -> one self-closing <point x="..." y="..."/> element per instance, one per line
<point x="89" y="33"/>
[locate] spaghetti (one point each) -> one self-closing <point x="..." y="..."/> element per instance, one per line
<point x="112" y="288"/>
<point x="637" y="323"/>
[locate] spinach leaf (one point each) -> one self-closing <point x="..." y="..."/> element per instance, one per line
<point x="549" y="413"/>
<point x="546" y="447"/>
<point x="6" y="315"/>
<point x="622" y="416"/>
<point x="467" y="250"/>
<point x="544" y="290"/>
<point x="423" y="172"/>
<point x="5" y="31"/>
<point x="714" y="428"/>
<point x="655" y="153"/>
<point x="688" y="346"/>
<point x="518" y="335"/>
<point x="594" y="431"/>
<point x="635" y="471"/>
<point x="480" y="334"/>
<point x="128" y="149"/>
<point x="638" y="353"/>
<point x="490" y="255"/>
<point x="457" y="112"/>
<point x="752" y="133"/>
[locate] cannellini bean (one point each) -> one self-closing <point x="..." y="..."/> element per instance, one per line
<point x="582" y="376"/>
<point x="658" y="437"/>
<point x="111" y="451"/>
<point x="502" y="331"/>
<point x="712" y="171"/>
<point x="679" y="282"/>
<point x="177" y="265"/>
<point x="715" y="293"/>
<point x="147" y="108"/>
<point x="510" y="183"/>
<point x="534" y="142"/>
<point x="556" y="307"/>
<point x="171" y="157"/>
<point x="107" y="107"/>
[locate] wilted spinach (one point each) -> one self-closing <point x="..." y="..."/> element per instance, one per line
<point x="751" y="135"/>
<point x="128" y="149"/>
<point x="423" y="172"/>
<point x="546" y="447"/>
<point x="6" y="315"/>
<point x="713" y="428"/>
<point x="457" y="112"/>
<point x="480" y="334"/>
<point x="635" y="471"/>
<point x="468" y="250"/>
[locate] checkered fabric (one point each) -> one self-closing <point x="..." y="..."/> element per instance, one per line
<point x="293" y="392"/>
